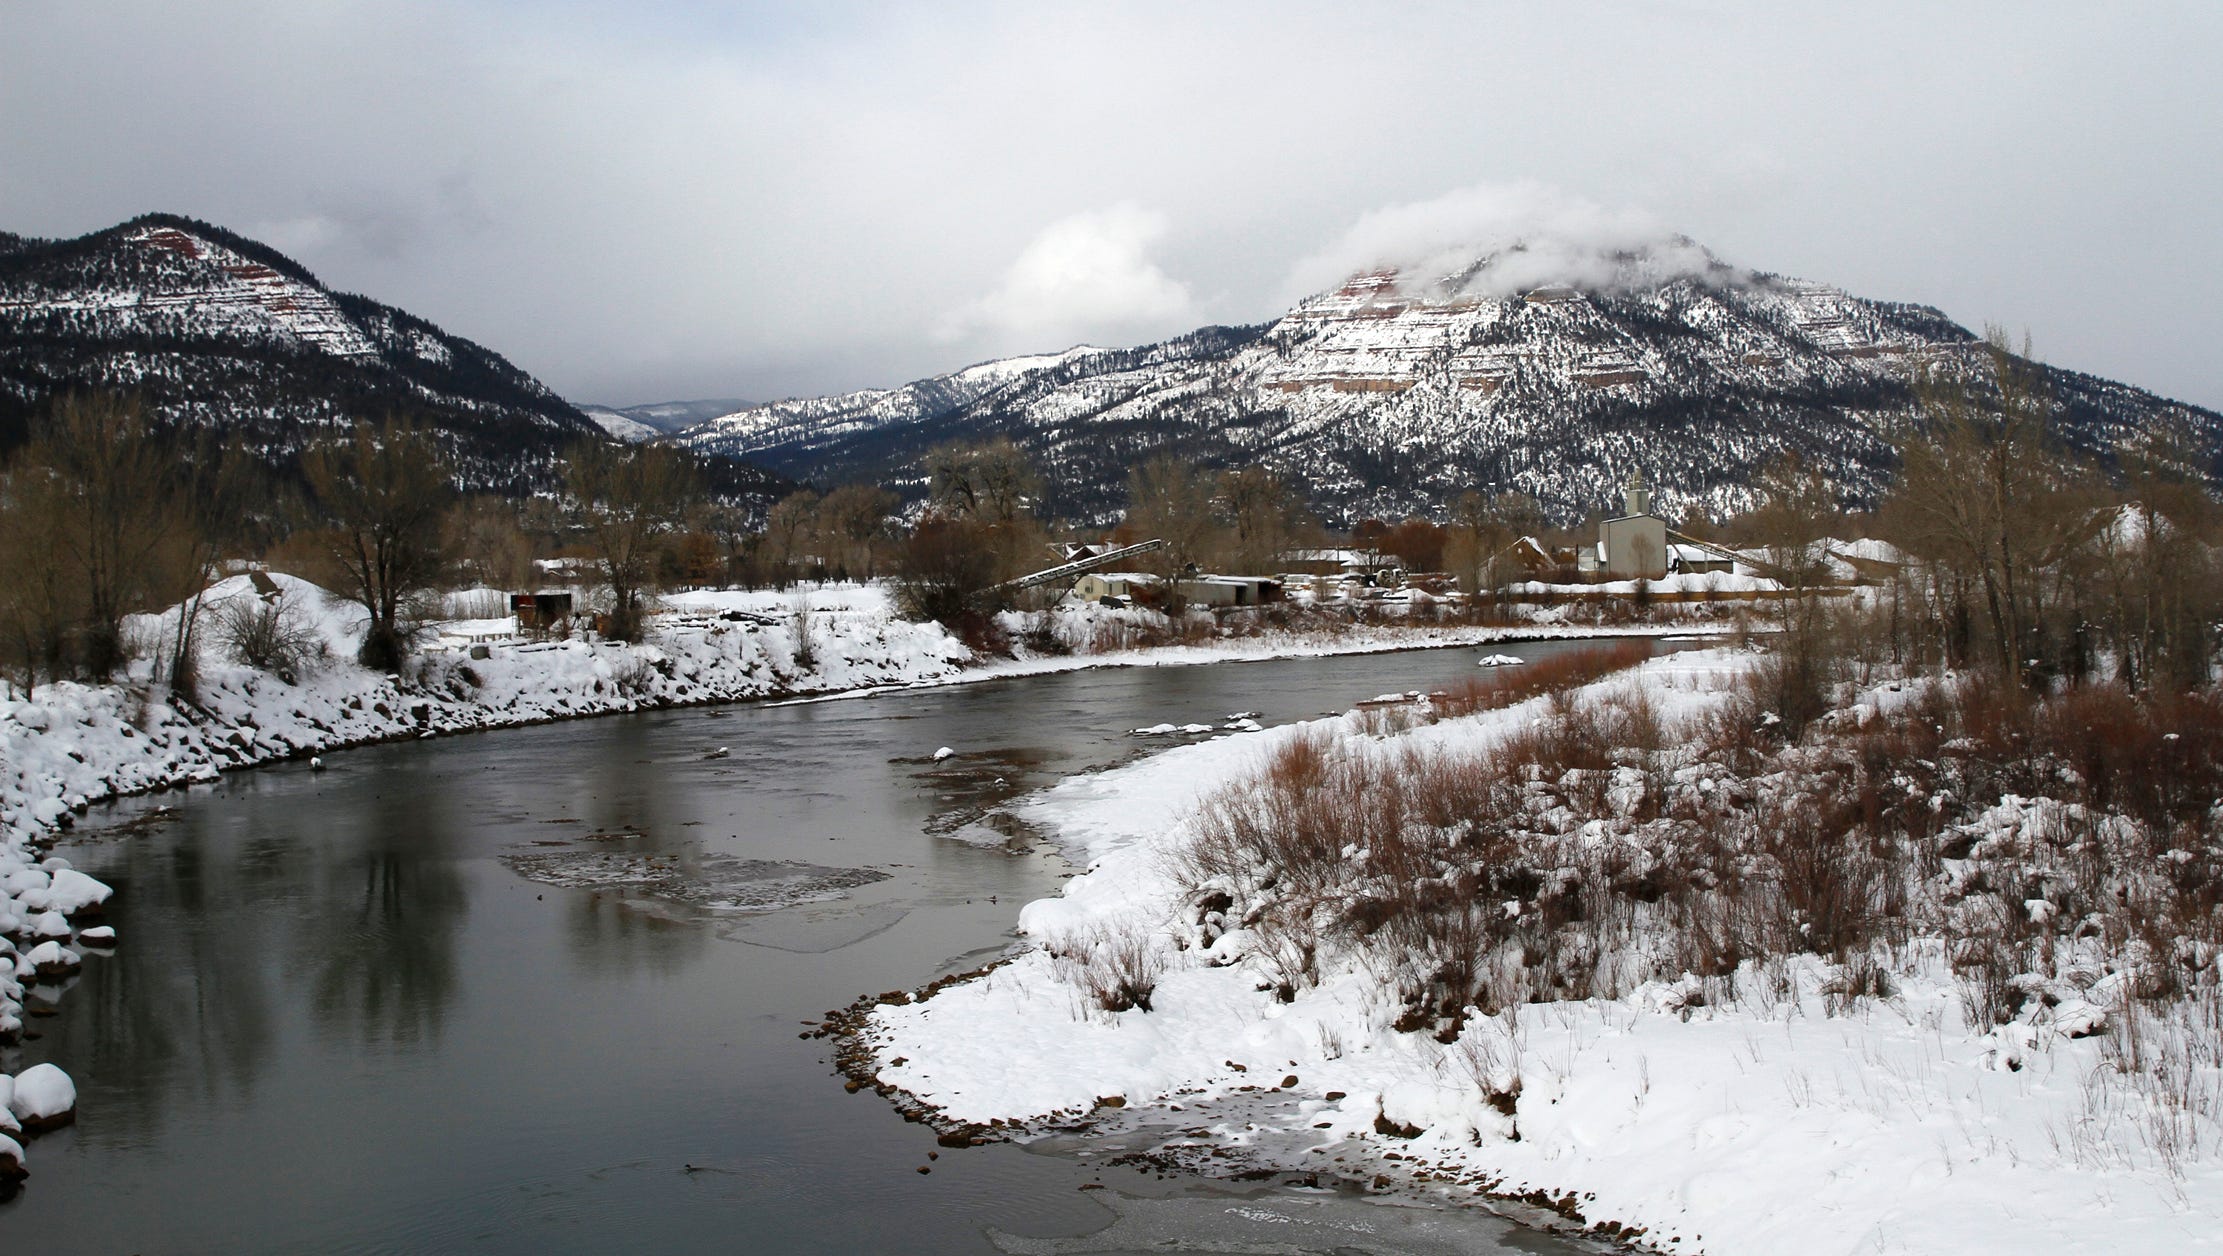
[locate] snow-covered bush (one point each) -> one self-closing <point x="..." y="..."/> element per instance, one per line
<point x="1117" y="964"/>
<point x="270" y="633"/>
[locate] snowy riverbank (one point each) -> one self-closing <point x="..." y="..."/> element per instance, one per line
<point x="70" y="745"/>
<point x="1770" y="1110"/>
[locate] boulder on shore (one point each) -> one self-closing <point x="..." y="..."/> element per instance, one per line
<point x="44" y="1098"/>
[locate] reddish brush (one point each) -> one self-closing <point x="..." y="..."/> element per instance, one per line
<point x="1555" y="673"/>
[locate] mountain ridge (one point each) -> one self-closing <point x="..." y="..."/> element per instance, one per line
<point x="1399" y="390"/>
<point x="659" y="418"/>
<point x="215" y="331"/>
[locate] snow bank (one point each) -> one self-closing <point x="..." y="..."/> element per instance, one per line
<point x="42" y="1097"/>
<point x="1684" y="584"/>
<point x="38" y="1099"/>
<point x="1782" y="1119"/>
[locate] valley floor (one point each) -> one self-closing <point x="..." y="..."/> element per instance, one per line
<point x="1788" y="1103"/>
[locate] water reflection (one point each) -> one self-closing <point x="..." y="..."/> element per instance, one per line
<point x="610" y="937"/>
<point x="384" y="953"/>
<point x="337" y="1021"/>
<point x="379" y="948"/>
<point x="196" y="1028"/>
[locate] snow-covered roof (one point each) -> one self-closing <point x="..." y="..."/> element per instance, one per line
<point x="1868" y="549"/>
<point x="1131" y="577"/>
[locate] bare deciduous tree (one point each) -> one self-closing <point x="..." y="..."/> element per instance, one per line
<point x="38" y="600"/>
<point x="629" y="497"/>
<point x="1982" y="490"/>
<point x="1264" y="519"/>
<point x="947" y="569"/>
<point x="789" y="529"/>
<point x="383" y="491"/>
<point x="490" y="540"/>
<point x="1798" y="512"/>
<point x="853" y="521"/>
<point x="993" y="482"/>
<point x="110" y="488"/>
<point x="2153" y="566"/>
<point x="100" y="517"/>
<point x="213" y="513"/>
<point x="1172" y="500"/>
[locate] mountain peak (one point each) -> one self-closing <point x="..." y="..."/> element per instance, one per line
<point x="1552" y="364"/>
<point x="1538" y="267"/>
<point x="219" y="331"/>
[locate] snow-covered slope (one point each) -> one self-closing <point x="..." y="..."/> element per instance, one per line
<point x="828" y="423"/>
<point x="217" y="331"/>
<point x="620" y="424"/>
<point x="1402" y="390"/>
<point x="660" y="418"/>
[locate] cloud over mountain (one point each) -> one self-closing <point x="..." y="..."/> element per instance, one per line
<point x="1498" y="240"/>
<point x="1087" y="275"/>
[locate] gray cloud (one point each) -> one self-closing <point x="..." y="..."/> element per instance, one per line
<point x="644" y="201"/>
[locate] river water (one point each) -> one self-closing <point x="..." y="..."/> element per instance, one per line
<point x="536" y="990"/>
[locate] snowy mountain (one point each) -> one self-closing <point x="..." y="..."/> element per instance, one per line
<point x="831" y="423"/>
<point x="217" y="331"/>
<point x="619" y="424"/>
<point x="672" y="416"/>
<point x="662" y="418"/>
<point x="1525" y="369"/>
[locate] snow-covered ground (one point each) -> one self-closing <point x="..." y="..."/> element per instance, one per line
<point x="1775" y="1115"/>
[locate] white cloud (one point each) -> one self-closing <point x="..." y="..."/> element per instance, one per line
<point x="1089" y="275"/>
<point x="1497" y="239"/>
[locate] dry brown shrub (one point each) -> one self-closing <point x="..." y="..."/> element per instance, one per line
<point x="1117" y="964"/>
<point x="1826" y="876"/>
<point x="1554" y="673"/>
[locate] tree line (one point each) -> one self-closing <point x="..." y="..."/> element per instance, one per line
<point x="2013" y="556"/>
<point x="105" y="515"/>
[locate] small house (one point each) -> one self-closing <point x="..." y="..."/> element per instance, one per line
<point x="1123" y="585"/>
<point x="1075" y="551"/>
<point x="1525" y="559"/>
<point x="541" y="613"/>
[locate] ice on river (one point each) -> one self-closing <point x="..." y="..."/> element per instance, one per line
<point x="713" y="882"/>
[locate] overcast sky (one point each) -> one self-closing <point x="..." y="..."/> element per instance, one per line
<point x="647" y="201"/>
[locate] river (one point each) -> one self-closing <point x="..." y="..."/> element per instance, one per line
<point x="495" y="993"/>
